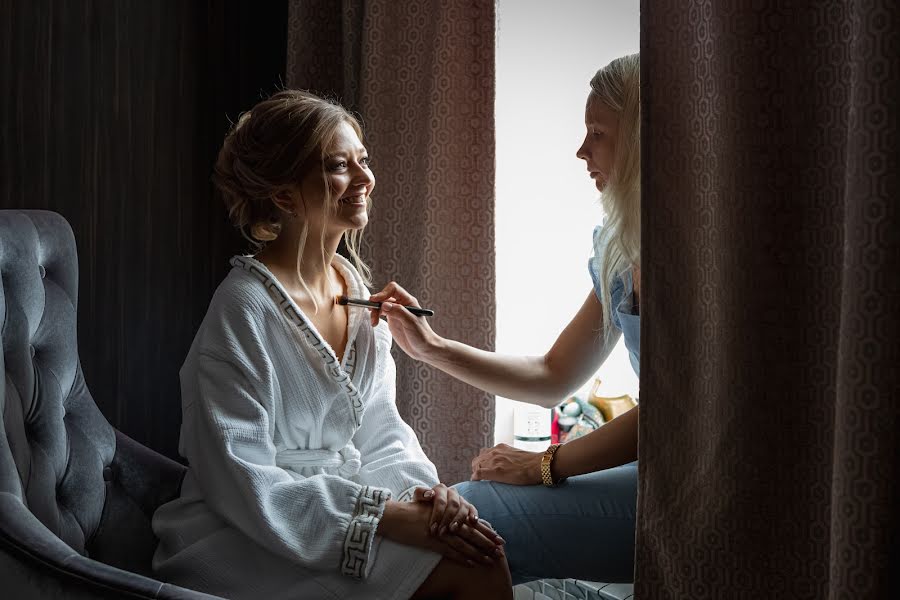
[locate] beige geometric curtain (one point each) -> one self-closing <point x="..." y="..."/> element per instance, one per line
<point x="770" y="372"/>
<point x="421" y="74"/>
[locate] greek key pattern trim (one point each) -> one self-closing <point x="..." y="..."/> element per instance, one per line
<point x="287" y="306"/>
<point x="361" y="533"/>
<point x="408" y="494"/>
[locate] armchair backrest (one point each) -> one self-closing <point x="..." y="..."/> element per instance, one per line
<point x="91" y="486"/>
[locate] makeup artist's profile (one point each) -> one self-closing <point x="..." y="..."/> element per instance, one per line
<point x="522" y="493"/>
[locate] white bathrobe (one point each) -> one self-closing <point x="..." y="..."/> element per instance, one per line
<point x="292" y="454"/>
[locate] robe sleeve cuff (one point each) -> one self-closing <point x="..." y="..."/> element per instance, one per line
<point x="359" y="545"/>
<point x="407" y="495"/>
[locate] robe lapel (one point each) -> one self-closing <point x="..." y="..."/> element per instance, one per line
<point x="293" y="314"/>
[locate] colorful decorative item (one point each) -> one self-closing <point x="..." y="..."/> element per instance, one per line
<point x="610" y="408"/>
<point x="576" y="417"/>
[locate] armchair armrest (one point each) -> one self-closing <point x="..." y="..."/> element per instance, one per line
<point x="36" y="563"/>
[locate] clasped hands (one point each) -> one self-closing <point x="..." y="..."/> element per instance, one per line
<point x="441" y="520"/>
<point x="450" y="523"/>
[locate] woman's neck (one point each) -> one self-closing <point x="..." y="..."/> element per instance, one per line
<point x="315" y="265"/>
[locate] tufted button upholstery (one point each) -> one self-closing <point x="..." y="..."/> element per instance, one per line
<point x="86" y="483"/>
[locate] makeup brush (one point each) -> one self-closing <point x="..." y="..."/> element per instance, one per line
<point x="419" y="312"/>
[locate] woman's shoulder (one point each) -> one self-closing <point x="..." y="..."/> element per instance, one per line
<point x="240" y="292"/>
<point x="620" y="283"/>
<point x="600" y="241"/>
<point x="239" y="306"/>
<point x="236" y="327"/>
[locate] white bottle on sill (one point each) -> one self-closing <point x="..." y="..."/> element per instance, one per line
<point x="531" y="427"/>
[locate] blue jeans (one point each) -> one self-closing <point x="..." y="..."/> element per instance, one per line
<point x="583" y="529"/>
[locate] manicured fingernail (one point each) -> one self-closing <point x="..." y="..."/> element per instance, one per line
<point x="454" y="526"/>
<point x="429" y="494"/>
<point x="433" y="528"/>
<point x="501" y="540"/>
<point x="498" y="552"/>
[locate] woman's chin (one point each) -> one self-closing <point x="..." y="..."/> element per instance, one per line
<point x="352" y="216"/>
<point x="599" y="181"/>
<point x="357" y="221"/>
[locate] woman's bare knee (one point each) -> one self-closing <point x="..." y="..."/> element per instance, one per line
<point x="458" y="582"/>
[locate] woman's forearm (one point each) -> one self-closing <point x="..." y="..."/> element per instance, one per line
<point x="523" y="378"/>
<point x="613" y="444"/>
<point x="544" y="380"/>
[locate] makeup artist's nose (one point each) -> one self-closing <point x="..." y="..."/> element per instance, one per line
<point x="582" y="152"/>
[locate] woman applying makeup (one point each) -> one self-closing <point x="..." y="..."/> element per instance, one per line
<point x="567" y="512"/>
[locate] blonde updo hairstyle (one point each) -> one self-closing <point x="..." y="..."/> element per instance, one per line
<point x="269" y="150"/>
<point x="618" y="86"/>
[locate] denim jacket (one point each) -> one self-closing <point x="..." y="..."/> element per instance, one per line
<point x="621" y="314"/>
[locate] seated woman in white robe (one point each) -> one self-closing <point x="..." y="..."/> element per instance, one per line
<point x="303" y="480"/>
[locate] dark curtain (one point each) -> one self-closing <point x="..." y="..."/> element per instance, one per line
<point x="770" y="376"/>
<point x="112" y="112"/>
<point x="421" y="75"/>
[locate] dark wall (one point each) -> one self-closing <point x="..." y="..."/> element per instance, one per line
<point x="112" y="113"/>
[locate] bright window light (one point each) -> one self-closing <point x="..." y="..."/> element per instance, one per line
<point x="547" y="206"/>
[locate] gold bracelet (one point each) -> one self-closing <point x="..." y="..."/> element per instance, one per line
<point x="546" y="462"/>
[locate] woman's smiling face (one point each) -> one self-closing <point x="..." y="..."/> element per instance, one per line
<point x="350" y="182"/>
<point x="599" y="145"/>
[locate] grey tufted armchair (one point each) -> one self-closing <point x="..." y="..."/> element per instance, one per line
<point x="76" y="496"/>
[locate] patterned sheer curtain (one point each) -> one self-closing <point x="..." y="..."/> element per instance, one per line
<point x="769" y="458"/>
<point x="421" y="74"/>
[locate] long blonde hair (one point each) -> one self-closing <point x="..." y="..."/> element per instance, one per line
<point x="618" y="247"/>
<point x="269" y="150"/>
